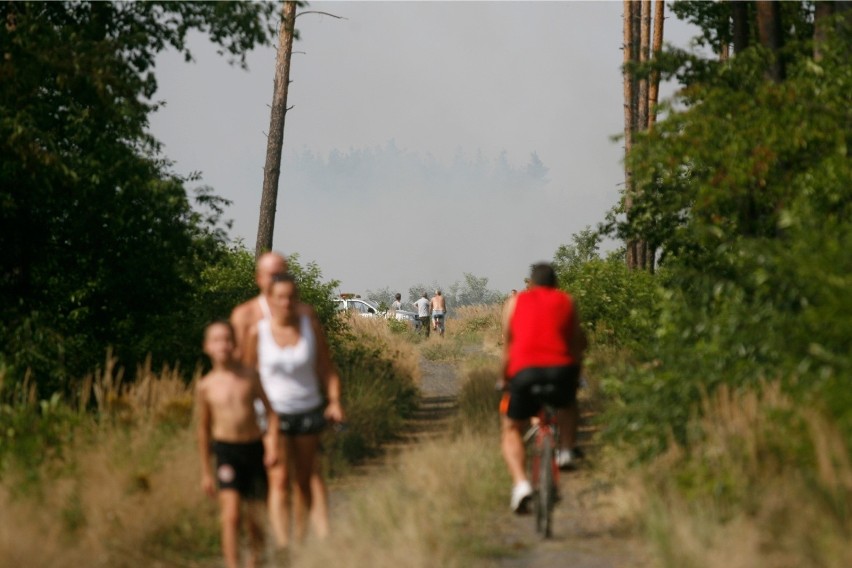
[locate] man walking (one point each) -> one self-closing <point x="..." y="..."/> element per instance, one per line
<point x="423" y="309"/>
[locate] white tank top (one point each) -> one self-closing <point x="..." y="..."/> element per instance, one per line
<point x="289" y="373"/>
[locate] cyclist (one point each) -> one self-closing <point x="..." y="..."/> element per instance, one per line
<point x="439" y="309"/>
<point x="543" y="346"/>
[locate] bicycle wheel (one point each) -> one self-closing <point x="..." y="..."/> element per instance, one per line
<point x="544" y="492"/>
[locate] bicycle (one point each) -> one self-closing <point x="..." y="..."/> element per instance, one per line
<point x="542" y="440"/>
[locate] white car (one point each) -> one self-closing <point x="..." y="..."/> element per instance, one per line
<point x="370" y="309"/>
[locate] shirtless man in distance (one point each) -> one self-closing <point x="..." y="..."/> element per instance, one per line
<point x="439" y="309"/>
<point x="227" y="428"/>
<point x="243" y="317"/>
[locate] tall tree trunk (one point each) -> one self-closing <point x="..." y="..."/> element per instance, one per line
<point x="653" y="95"/>
<point x="643" y="119"/>
<point x="629" y="119"/>
<point x="739" y="16"/>
<point x="275" y="138"/>
<point x="822" y="12"/>
<point x="770" y="32"/>
<point x="657" y="46"/>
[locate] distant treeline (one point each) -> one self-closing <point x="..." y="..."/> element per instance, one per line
<point x="371" y="169"/>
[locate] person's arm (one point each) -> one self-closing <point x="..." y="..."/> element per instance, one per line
<point x="508" y="311"/>
<point x="204" y="426"/>
<point x="273" y="426"/>
<point x="577" y="341"/>
<point x="248" y="357"/>
<point x="327" y="373"/>
<point x="241" y="322"/>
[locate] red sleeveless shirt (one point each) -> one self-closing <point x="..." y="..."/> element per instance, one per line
<point x="540" y="328"/>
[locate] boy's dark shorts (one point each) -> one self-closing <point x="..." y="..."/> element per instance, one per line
<point x="303" y="423"/>
<point x="534" y="386"/>
<point x="239" y="465"/>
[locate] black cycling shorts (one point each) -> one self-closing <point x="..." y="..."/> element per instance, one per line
<point x="240" y="466"/>
<point x="534" y="386"/>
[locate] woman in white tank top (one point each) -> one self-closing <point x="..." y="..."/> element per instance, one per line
<point x="290" y="351"/>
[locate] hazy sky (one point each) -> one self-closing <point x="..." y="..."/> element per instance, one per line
<point x="417" y="100"/>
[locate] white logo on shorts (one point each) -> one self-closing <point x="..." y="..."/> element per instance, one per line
<point x="225" y="473"/>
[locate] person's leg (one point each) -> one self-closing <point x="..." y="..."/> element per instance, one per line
<point x="514" y="453"/>
<point x="319" y="496"/>
<point x="569" y="419"/>
<point x="279" y="486"/>
<point x="253" y="515"/>
<point x="304" y="454"/>
<point x="229" y="504"/>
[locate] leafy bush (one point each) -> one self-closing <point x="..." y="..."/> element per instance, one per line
<point x="617" y="306"/>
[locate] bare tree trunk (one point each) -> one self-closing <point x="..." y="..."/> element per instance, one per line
<point x="770" y="32"/>
<point x="739" y="16"/>
<point x="654" y="94"/>
<point x="654" y="87"/>
<point x="643" y="119"/>
<point x="275" y="139"/>
<point x="629" y="119"/>
<point x="822" y="12"/>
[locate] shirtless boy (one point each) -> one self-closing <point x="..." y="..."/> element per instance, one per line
<point x="227" y="428"/>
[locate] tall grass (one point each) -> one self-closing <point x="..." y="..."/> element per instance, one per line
<point x="123" y="476"/>
<point x="111" y="476"/>
<point x="379" y="377"/>
<point x="769" y="484"/>
<point x="435" y="507"/>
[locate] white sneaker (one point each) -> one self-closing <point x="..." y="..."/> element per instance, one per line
<point x="521" y="495"/>
<point x="566" y="459"/>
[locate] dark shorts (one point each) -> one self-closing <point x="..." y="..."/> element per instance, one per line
<point x="304" y="423"/>
<point x="534" y="386"/>
<point x="240" y="466"/>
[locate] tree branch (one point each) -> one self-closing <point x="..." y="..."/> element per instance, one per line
<point x="322" y="13"/>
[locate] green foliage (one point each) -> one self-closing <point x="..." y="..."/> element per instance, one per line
<point x="747" y="191"/>
<point x="617" y="306"/>
<point x="101" y="245"/>
<point x="32" y="434"/>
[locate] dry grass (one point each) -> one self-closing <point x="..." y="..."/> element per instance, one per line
<point x="432" y="508"/>
<point x="481" y="323"/>
<point x="130" y="476"/>
<point x="769" y="485"/>
<point x="396" y="346"/>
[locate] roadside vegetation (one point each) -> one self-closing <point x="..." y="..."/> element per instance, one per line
<point x="109" y="476"/>
<point x="725" y="372"/>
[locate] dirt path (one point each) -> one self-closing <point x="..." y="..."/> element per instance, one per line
<point x="589" y="531"/>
